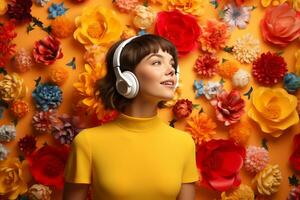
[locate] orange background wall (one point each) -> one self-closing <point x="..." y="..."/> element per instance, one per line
<point x="280" y="148"/>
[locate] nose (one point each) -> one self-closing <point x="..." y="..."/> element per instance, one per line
<point x="170" y="70"/>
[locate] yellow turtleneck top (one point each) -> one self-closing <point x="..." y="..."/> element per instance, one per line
<point x="133" y="158"/>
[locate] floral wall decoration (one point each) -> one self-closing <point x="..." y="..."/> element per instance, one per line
<point x="238" y="96"/>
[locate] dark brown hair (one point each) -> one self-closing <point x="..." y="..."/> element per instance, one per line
<point x="131" y="55"/>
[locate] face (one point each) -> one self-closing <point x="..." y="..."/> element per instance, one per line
<point x="156" y="76"/>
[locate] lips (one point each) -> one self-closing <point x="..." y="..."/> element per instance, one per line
<point x="168" y="82"/>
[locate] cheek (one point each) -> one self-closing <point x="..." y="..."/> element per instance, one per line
<point x="148" y="78"/>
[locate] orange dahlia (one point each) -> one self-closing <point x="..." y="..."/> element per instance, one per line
<point x="19" y="108"/>
<point x="62" y="27"/>
<point x="201" y="127"/>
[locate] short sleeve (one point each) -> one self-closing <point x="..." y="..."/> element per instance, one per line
<point x="190" y="171"/>
<point x="79" y="165"/>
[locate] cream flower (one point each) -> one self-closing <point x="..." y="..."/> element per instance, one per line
<point x="241" y="78"/>
<point x="246" y="49"/>
<point x="12" y="87"/>
<point x="39" y="192"/>
<point x="97" y="25"/>
<point x="144" y="17"/>
<point x="268" y="180"/>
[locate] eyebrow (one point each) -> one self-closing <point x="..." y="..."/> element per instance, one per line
<point x="158" y="55"/>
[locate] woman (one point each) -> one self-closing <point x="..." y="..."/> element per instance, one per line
<point x="137" y="156"/>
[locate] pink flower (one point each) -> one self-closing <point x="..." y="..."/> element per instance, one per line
<point x="229" y="107"/>
<point x="125" y="5"/>
<point x="256" y="159"/>
<point x="281" y="25"/>
<point x="46" y="51"/>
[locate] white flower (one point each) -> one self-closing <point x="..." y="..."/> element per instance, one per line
<point x="7" y="133"/>
<point x="240" y="78"/>
<point x="41" y="2"/>
<point x="212" y="89"/>
<point x="237" y="16"/>
<point x="246" y="49"/>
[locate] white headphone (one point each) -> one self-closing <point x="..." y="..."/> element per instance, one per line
<point x="127" y="84"/>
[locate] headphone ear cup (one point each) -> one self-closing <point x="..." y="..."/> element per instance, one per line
<point x="129" y="86"/>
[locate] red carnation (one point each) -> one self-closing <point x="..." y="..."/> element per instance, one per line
<point x="46" y="51"/>
<point x="7" y="49"/>
<point x="269" y="69"/>
<point x="47" y="165"/>
<point x="181" y="29"/>
<point x="229" y="107"/>
<point x="20" y="10"/>
<point x="206" y="65"/>
<point x="295" y="157"/>
<point x="220" y="162"/>
<point x="183" y="108"/>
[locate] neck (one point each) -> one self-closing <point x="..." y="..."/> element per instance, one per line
<point x="141" y="108"/>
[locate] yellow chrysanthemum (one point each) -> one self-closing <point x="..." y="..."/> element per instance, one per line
<point x="3" y="7"/>
<point x="201" y="127"/>
<point x="12" y="87"/>
<point x="86" y="89"/>
<point x="273" y="109"/>
<point x="244" y="192"/>
<point x="194" y="7"/>
<point x="97" y="25"/>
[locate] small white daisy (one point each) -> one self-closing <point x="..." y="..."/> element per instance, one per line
<point x="237" y="16"/>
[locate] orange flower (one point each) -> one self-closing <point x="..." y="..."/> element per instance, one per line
<point x="58" y="75"/>
<point x="62" y="27"/>
<point x="228" y="68"/>
<point x="240" y="132"/>
<point x="19" y="108"/>
<point x="201" y="126"/>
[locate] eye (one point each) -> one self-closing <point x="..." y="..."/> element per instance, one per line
<point x="156" y="62"/>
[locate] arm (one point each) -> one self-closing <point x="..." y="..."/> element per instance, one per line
<point x="75" y="191"/>
<point x="187" y="192"/>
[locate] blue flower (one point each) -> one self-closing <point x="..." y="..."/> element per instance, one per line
<point x="199" y="88"/>
<point x="291" y="82"/>
<point x="56" y="10"/>
<point x="47" y="96"/>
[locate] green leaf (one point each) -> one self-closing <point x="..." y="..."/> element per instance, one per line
<point x="29" y="28"/>
<point x="222" y="81"/>
<point x="228" y="49"/>
<point x="293" y="180"/>
<point x="47" y="29"/>
<point x="37" y="81"/>
<point x="279" y="53"/>
<point x="248" y="94"/>
<point x="264" y="143"/>
<point x="172" y="122"/>
<point x="221" y="14"/>
<point x="37" y="22"/>
<point x="224" y="60"/>
<point x="196" y="106"/>
<point x="72" y="63"/>
<point x="3" y="71"/>
<point x="146" y="3"/>
<point x="254" y="7"/>
<point x="214" y="3"/>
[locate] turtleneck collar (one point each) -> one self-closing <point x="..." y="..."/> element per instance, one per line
<point x="138" y="124"/>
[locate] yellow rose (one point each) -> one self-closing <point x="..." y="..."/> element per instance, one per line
<point x="3" y="7"/>
<point x="194" y="7"/>
<point x="12" y="87"/>
<point x="266" y="3"/>
<point x="273" y="109"/>
<point x="268" y="180"/>
<point x="97" y="25"/>
<point x="297" y="64"/>
<point x="296" y="5"/>
<point x="11" y="179"/>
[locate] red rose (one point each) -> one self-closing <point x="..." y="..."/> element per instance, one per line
<point x="295" y="157"/>
<point x="281" y="25"/>
<point x="46" y="51"/>
<point x="47" y="165"/>
<point x="220" y="162"/>
<point x="181" y="29"/>
<point x="183" y="108"/>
